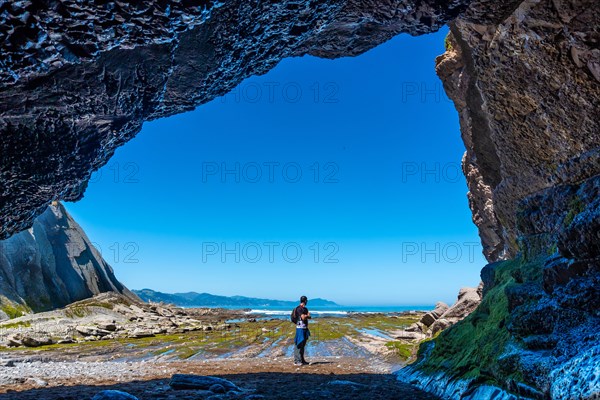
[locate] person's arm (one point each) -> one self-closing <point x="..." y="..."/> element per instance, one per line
<point x="306" y="316"/>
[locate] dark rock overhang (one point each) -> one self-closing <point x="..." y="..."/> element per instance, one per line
<point x="78" y="79"/>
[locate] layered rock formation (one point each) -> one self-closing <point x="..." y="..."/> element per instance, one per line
<point x="50" y="265"/>
<point x="110" y="315"/>
<point x="443" y="316"/>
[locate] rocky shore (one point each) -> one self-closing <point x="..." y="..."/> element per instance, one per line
<point x="110" y="342"/>
<point x="109" y="316"/>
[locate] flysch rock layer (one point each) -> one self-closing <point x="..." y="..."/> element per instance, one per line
<point x="50" y="265"/>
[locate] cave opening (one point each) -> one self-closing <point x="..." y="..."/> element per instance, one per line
<point x="337" y="179"/>
<point x="329" y="167"/>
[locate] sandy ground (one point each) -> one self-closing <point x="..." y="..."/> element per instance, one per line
<point x="273" y="378"/>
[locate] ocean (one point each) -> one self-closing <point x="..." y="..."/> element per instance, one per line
<point x="330" y="311"/>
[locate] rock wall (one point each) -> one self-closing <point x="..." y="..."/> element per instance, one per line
<point x="528" y="95"/>
<point x="50" y="265"/>
<point x="528" y="98"/>
<point x="535" y="333"/>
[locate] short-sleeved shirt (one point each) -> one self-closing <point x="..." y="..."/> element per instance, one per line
<point x="302" y="323"/>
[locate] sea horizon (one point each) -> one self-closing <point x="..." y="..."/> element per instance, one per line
<point x="323" y="311"/>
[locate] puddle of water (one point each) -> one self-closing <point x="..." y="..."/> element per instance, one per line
<point x="232" y="354"/>
<point x="269" y="350"/>
<point x="236" y="320"/>
<point x="334" y="348"/>
<point x="376" y="332"/>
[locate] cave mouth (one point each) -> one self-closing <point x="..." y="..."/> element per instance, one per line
<point x="523" y="76"/>
<point x="323" y="166"/>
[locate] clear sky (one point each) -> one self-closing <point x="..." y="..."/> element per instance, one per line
<point x="331" y="178"/>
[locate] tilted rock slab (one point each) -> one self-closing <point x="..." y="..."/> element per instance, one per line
<point x="53" y="264"/>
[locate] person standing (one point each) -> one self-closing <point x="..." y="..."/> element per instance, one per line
<point x="301" y="315"/>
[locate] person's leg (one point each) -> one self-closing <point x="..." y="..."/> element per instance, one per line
<point x="297" y="355"/>
<point x="302" y="347"/>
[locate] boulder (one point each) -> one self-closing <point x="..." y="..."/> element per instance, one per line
<point x="416" y="327"/>
<point x="14" y="340"/>
<point x="440" y="325"/>
<point x="85" y="330"/>
<point x="429" y="318"/>
<point x="406" y="335"/>
<point x="165" y="312"/>
<point x="6" y="363"/>
<point x="114" y="395"/>
<point x="139" y="333"/>
<point x="200" y="382"/>
<point x="468" y="300"/>
<point x="91" y="331"/>
<point x="443" y="316"/>
<point x="36" y="382"/>
<point x="217" y="388"/>
<point x="107" y="326"/>
<point x="137" y="310"/>
<point x="36" y="342"/>
<point x="440" y="309"/>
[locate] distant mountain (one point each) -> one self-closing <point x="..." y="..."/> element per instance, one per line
<point x="193" y="299"/>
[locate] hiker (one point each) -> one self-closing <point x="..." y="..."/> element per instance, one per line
<point x="300" y="316"/>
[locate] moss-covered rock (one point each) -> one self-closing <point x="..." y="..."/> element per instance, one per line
<point x="539" y="316"/>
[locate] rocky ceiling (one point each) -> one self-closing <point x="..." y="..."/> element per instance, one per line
<point x="78" y="79"/>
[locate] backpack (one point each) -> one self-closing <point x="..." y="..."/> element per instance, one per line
<point x="294" y="316"/>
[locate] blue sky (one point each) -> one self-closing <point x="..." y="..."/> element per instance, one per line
<point x="331" y="178"/>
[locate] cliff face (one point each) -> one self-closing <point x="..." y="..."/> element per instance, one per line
<point x="51" y="265"/>
<point x="528" y="95"/>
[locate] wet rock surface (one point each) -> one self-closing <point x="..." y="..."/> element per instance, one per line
<point x="346" y="361"/>
<point x="113" y="395"/>
<point x="215" y="385"/>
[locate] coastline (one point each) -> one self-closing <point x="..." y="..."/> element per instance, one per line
<point x="149" y="343"/>
<point x="321" y="311"/>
